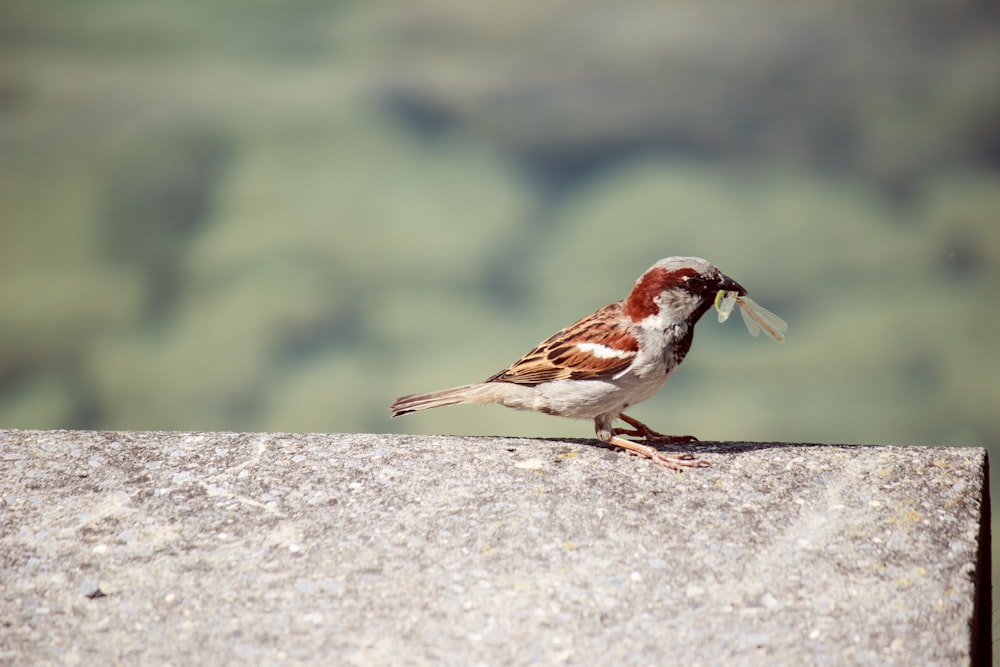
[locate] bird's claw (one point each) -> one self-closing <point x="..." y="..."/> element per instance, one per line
<point x="647" y="434"/>
<point x="679" y="462"/>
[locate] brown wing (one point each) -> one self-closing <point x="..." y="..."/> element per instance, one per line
<point x="597" y="346"/>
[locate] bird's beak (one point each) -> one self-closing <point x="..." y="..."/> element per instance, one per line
<point x="727" y="284"/>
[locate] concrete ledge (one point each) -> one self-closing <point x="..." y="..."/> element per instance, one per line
<point x="223" y="548"/>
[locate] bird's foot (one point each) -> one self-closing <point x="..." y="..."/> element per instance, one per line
<point x="643" y="432"/>
<point x="676" y="462"/>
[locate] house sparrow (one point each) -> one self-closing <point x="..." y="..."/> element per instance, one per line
<point x="608" y="361"/>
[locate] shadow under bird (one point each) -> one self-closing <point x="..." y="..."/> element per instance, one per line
<point x="601" y="365"/>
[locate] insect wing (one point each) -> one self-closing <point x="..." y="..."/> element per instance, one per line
<point x="756" y="317"/>
<point x="752" y="327"/>
<point x="724" y="302"/>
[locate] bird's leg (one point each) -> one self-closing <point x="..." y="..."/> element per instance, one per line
<point x="609" y="435"/>
<point x="640" y="430"/>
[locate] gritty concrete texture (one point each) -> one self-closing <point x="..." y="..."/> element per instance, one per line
<point x="223" y="548"/>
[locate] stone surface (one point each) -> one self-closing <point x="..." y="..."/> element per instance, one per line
<point x="221" y="548"/>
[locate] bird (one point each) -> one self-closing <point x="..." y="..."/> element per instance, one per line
<point x="607" y="362"/>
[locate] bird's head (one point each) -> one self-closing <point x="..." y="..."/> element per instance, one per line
<point x="677" y="289"/>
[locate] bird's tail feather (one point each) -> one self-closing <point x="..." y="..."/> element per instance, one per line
<point x="467" y="393"/>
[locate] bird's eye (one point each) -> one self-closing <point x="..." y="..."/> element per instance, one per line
<point x="694" y="282"/>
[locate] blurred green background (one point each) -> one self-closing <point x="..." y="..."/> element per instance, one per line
<point x="280" y="216"/>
